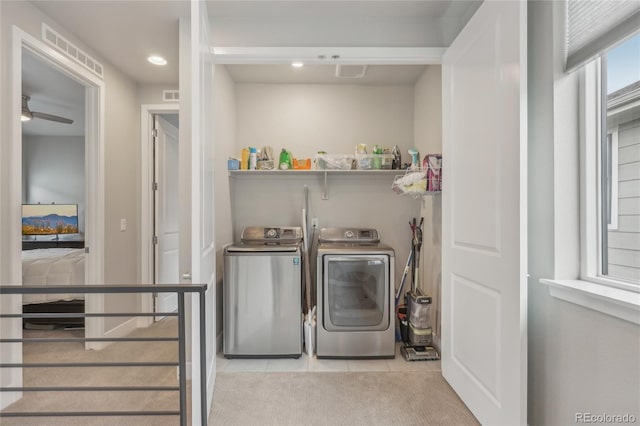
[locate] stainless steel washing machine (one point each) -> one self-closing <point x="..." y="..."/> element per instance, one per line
<point x="262" y="292"/>
<point x="355" y="282"/>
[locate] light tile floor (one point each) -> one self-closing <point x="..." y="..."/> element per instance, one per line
<point x="305" y="363"/>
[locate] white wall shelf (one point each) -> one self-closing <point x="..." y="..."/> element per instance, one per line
<point x="313" y="172"/>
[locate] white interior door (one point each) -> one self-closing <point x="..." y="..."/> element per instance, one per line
<point x="167" y="219"/>
<point x="484" y="214"/>
<point x="197" y="250"/>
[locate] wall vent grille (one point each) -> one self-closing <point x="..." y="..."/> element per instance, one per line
<point x="350" y="71"/>
<point x="71" y="51"/>
<point x="170" y="95"/>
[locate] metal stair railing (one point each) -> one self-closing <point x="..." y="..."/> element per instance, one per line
<point x="180" y="339"/>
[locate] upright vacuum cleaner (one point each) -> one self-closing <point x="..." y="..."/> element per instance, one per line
<point x="415" y="326"/>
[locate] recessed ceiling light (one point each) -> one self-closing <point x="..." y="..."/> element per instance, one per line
<point x="157" y="60"/>
<point x="297" y="64"/>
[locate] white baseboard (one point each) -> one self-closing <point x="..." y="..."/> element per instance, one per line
<point x="436" y="343"/>
<point x="121" y="330"/>
<point x="8" y="398"/>
<point x="143" y="322"/>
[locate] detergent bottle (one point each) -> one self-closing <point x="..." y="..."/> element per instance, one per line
<point x="244" y="163"/>
<point x="253" y="158"/>
<point x="285" y="160"/>
<point x="415" y="159"/>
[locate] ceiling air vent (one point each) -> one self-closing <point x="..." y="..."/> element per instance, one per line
<point x="350" y="71"/>
<point x="171" y="95"/>
<point x="71" y="51"/>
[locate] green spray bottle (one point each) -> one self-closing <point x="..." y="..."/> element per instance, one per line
<point x="285" y="160"/>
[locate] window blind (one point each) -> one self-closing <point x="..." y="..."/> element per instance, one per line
<point x="593" y="26"/>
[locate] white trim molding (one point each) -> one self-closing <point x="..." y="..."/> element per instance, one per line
<point x="94" y="166"/>
<point x="329" y="55"/>
<point x="608" y="300"/>
<point x="146" y="211"/>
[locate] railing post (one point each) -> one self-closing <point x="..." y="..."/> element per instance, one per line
<point x="182" y="359"/>
<point x="203" y="359"/>
<point x="181" y="339"/>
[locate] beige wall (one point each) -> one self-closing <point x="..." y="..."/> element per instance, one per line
<point x="121" y="152"/>
<point x="152" y="93"/>
<point x="122" y="177"/>
<point x="428" y="140"/>
<point x="579" y="360"/>
<point x="307" y="118"/>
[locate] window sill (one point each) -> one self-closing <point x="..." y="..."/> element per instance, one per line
<point x="611" y="301"/>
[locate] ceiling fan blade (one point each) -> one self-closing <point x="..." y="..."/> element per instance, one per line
<point x="51" y="117"/>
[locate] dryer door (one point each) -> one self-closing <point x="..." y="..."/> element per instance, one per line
<point x="356" y="292"/>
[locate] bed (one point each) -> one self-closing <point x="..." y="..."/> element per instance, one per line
<point x="53" y="266"/>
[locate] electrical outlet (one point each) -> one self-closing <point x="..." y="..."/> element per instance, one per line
<point x="123" y="224"/>
<point x="314" y="222"/>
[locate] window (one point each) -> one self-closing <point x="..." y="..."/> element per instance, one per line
<point x="617" y="169"/>
<point x="605" y="55"/>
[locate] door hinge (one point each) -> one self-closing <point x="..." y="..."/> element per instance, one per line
<point x="155" y="239"/>
<point x="154" y="133"/>
<point x="155" y="186"/>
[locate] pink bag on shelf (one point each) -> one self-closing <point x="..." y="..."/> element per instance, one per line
<point x="433" y="164"/>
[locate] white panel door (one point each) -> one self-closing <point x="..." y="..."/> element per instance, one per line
<point x="484" y="214"/>
<point x="197" y="251"/>
<point x="167" y="223"/>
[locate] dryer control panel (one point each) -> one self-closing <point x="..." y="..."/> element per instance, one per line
<point x="349" y="235"/>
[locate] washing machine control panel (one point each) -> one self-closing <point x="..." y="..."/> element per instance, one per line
<point x="272" y="234"/>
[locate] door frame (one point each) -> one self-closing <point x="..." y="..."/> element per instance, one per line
<point x="94" y="182"/>
<point x="147" y="111"/>
<point x="387" y="56"/>
<point x="94" y="167"/>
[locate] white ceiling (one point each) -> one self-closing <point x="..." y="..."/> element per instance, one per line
<point x="125" y="32"/>
<point x="338" y="23"/>
<point x="54" y="93"/>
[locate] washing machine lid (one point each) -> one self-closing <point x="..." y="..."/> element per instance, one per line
<point x="349" y="235"/>
<point x="262" y="247"/>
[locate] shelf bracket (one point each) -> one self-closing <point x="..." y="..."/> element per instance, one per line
<point x="325" y="188"/>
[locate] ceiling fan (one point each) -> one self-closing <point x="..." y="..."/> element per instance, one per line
<point x="27" y="114"/>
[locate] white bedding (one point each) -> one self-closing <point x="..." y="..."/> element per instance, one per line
<point x="53" y="266"/>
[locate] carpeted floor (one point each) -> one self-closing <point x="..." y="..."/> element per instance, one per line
<point x="103" y="376"/>
<point x="336" y="398"/>
<point x="241" y="398"/>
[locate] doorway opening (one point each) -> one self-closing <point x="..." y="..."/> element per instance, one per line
<point x="160" y="206"/>
<point x="90" y="89"/>
<point x="53" y="187"/>
<point x="24" y="45"/>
